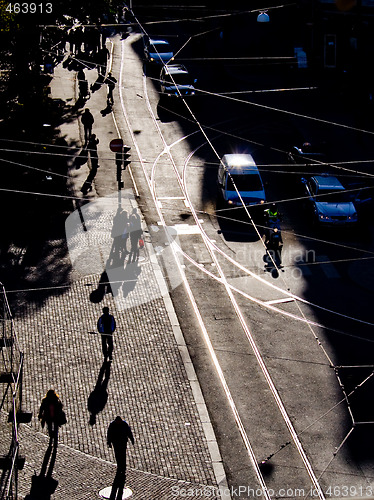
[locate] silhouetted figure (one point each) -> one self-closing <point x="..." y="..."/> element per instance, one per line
<point x="82" y="85"/>
<point x="106" y="325"/>
<point x="92" y="149"/>
<point x="135" y="235"/>
<point x="51" y="413"/>
<point x="87" y="121"/>
<point x="120" y="226"/>
<point x="111" y="83"/>
<point x="99" y="396"/>
<point x="101" y="61"/>
<point x="118" y="434"/>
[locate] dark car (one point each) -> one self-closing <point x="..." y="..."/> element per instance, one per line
<point x="175" y="81"/>
<point x="330" y="203"/>
<point x="306" y="154"/>
<point x="157" y="51"/>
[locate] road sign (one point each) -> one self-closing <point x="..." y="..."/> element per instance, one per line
<point x="116" y="145"/>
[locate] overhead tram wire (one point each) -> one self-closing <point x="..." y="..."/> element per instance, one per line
<point x="304" y="116"/>
<point x="285" y="171"/>
<point x="249" y="336"/>
<point x="217" y="216"/>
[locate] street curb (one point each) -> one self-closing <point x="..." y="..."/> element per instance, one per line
<point x="212" y="444"/>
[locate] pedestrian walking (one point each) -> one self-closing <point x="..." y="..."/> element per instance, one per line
<point x="87" y="121"/>
<point x="111" y="83"/>
<point x="51" y="413"/>
<point x="118" y="434"/>
<point x="92" y="149"/>
<point x="135" y="235"/>
<point x="106" y="325"/>
<point x="82" y="85"/>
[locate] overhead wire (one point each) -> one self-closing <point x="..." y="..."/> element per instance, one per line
<point x="238" y="193"/>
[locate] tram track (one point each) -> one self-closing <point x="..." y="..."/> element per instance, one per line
<point x="180" y="180"/>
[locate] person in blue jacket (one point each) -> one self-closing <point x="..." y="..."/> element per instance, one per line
<point x="106" y="325"/>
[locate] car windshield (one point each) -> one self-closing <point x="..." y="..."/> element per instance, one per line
<point x="326" y="196"/>
<point x="161" y="47"/>
<point x="248" y="182"/>
<point x="179" y="79"/>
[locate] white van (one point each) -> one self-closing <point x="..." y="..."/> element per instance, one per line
<point x="245" y="176"/>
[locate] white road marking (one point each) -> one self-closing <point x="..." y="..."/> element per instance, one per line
<point x="186" y="229"/>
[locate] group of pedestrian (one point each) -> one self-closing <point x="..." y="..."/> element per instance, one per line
<point x="118" y="433"/>
<point x="126" y="228"/>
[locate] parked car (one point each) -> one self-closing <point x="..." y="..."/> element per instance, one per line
<point x="175" y="81"/>
<point x="157" y="51"/>
<point x="306" y="153"/>
<point x="240" y="170"/>
<point x="329" y="201"/>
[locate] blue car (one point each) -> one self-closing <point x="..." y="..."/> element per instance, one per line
<point x="158" y="51"/>
<point x="329" y="201"/>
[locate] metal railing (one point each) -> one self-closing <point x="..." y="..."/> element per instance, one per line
<point x="11" y="371"/>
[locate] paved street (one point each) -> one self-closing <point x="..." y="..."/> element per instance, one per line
<point x="151" y="381"/>
<point x="230" y="368"/>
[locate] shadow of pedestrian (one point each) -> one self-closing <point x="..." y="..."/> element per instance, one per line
<point x="97" y="84"/>
<point x="50" y="454"/>
<point x="42" y="488"/>
<point x="103" y="288"/>
<point x="99" y="396"/>
<point x="273" y="262"/>
<point x="131" y="275"/>
<point x="118" y="484"/>
<point x="107" y="110"/>
<point x="81" y="158"/>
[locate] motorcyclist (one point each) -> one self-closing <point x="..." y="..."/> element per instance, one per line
<point x="274" y="240"/>
<point x="272" y="215"/>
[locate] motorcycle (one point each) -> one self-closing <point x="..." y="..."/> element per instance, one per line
<point x="274" y="245"/>
<point x="274" y="240"/>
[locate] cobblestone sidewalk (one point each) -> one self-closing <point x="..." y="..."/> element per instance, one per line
<point x="151" y="381"/>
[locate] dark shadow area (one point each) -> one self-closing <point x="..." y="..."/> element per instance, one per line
<point x="81" y="158"/>
<point x="98" y="83"/>
<point x="107" y="110"/>
<point x="49" y="457"/>
<point x="266" y="468"/>
<point x="42" y="488"/>
<point x="118" y="484"/>
<point x="104" y="287"/>
<point x="99" y="396"/>
<point x="234" y="224"/>
<point x="270" y="135"/>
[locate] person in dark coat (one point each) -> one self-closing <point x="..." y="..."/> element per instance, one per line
<point x="111" y="83"/>
<point x="118" y="434"/>
<point x="106" y="326"/>
<point x="52" y="414"/>
<point x="87" y="121"/>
